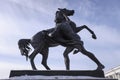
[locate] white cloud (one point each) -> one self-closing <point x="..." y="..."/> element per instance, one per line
<point x="86" y="8"/>
<point x="108" y="35"/>
<point x="9" y="33"/>
<point x="46" y="7"/>
<point x="8" y="26"/>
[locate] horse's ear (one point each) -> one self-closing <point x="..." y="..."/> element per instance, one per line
<point x="59" y="8"/>
<point x="56" y="12"/>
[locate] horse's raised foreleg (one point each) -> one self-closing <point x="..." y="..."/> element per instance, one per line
<point x="66" y="57"/>
<point x="78" y="29"/>
<point x="45" y="57"/>
<point x="85" y="27"/>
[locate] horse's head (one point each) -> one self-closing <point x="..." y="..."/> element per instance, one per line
<point x="62" y="15"/>
<point x="66" y="11"/>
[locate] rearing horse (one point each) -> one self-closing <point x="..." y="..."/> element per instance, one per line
<point x="41" y="42"/>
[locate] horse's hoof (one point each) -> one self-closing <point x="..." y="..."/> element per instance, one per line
<point x="34" y="69"/>
<point x="100" y="67"/>
<point x="75" y="51"/>
<point x="67" y="69"/>
<point x="48" y="69"/>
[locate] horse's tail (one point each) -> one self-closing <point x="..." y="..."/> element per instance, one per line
<point x="23" y="45"/>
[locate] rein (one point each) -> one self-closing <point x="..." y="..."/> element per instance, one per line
<point x="67" y="19"/>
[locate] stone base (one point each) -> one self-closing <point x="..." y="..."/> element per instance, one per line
<point x="57" y="75"/>
<point x="92" y="73"/>
<point x="57" y="78"/>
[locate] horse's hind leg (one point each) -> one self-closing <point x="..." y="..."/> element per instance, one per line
<point x="66" y="57"/>
<point x="32" y="56"/>
<point x="45" y="57"/>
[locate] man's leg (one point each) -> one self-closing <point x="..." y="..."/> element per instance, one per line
<point x="90" y="55"/>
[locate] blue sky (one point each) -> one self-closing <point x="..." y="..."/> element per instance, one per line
<point x="23" y="18"/>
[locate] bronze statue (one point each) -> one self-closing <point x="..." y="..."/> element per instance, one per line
<point x="57" y="36"/>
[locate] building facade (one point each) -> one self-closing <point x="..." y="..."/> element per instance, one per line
<point x="114" y="73"/>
